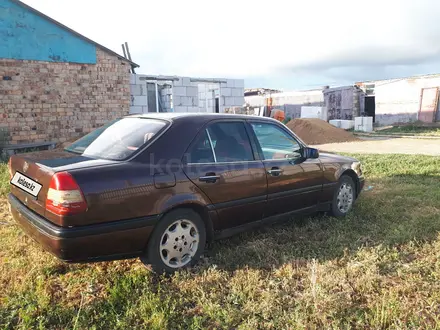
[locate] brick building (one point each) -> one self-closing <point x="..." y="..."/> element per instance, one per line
<point x="55" y="84"/>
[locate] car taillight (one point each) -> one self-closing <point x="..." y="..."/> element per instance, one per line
<point x="10" y="167"/>
<point x="64" y="196"/>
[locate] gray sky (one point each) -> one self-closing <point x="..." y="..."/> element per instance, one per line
<point x="277" y="44"/>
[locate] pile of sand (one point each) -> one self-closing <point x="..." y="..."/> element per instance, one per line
<point x="317" y="131"/>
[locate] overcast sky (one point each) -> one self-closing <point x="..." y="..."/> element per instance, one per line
<point x="276" y="44"/>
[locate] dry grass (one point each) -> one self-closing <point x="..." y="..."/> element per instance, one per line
<point x="4" y="179"/>
<point x="378" y="268"/>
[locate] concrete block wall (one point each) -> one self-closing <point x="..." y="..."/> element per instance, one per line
<point x="185" y="95"/>
<point x="138" y="95"/>
<point x="200" y="97"/>
<point x="231" y="94"/>
<point x="207" y="94"/>
<point x="143" y="95"/>
<point x="49" y="101"/>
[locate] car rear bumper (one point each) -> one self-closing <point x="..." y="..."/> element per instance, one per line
<point x="119" y="239"/>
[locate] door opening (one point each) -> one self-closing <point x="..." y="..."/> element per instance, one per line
<point x="217" y="105"/>
<point x="437" y="116"/>
<point x="370" y="107"/>
<point x="428" y="104"/>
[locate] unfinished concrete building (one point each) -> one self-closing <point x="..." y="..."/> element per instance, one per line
<point x="184" y="94"/>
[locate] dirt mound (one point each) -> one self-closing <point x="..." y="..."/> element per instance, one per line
<point x="317" y="131"/>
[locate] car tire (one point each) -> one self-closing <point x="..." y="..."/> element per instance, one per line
<point x="177" y="241"/>
<point x="344" y="197"/>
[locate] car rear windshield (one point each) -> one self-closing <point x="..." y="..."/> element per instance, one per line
<point x="119" y="139"/>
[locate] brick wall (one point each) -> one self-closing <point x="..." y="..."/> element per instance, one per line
<point x="46" y="101"/>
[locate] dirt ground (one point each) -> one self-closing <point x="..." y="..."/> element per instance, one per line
<point x="316" y="131"/>
<point x="386" y="146"/>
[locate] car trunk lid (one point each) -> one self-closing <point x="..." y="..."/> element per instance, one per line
<point x="37" y="168"/>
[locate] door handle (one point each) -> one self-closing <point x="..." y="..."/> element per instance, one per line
<point x="209" y="178"/>
<point x="275" y="171"/>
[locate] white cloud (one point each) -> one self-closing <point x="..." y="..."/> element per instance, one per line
<point x="244" y="38"/>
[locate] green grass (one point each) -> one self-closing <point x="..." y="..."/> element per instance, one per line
<point x="377" y="268"/>
<point x="412" y="130"/>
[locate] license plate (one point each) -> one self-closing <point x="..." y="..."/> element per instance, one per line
<point x="26" y="184"/>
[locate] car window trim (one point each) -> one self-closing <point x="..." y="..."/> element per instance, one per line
<point x="255" y="147"/>
<point x="222" y="163"/>
<point x="254" y="142"/>
<point x="212" y="146"/>
<point x="144" y="146"/>
<point x="227" y="120"/>
<point x="281" y="127"/>
<point x="205" y="127"/>
<point x="168" y="124"/>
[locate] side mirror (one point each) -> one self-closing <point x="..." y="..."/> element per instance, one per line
<point x="308" y="153"/>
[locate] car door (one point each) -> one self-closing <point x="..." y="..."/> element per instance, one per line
<point x="294" y="183"/>
<point x="222" y="163"/>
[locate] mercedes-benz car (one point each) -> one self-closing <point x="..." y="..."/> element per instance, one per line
<point x="160" y="186"/>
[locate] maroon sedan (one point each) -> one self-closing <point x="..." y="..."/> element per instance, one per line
<point x="160" y="186"/>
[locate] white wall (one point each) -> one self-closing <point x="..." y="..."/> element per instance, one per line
<point x="138" y="92"/>
<point x="189" y="96"/>
<point x="255" y="100"/>
<point x="231" y="94"/>
<point x="290" y="102"/>
<point x="314" y="112"/>
<point x="200" y="96"/>
<point x="399" y="100"/>
<point x="185" y="95"/>
<point x="207" y="94"/>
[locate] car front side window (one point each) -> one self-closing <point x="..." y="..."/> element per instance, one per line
<point x="275" y="142"/>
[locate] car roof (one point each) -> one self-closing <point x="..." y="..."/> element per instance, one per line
<point x="191" y="115"/>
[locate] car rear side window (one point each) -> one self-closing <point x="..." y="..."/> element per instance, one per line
<point x="230" y="142"/>
<point x="275" y="142"/>
<point x="221" y="142"/>
<point x="201" y="150"/>
<point x="118" y="139"/>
